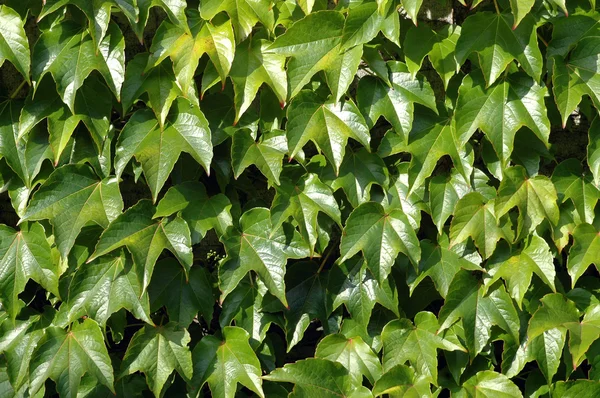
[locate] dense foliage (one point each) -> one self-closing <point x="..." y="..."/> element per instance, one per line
<point x="329" y="199"/>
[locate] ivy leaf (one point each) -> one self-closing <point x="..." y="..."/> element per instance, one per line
<point x="363" y="23"/>
<point x="70" y="198"/>
<point x="489" y="384"/>
<point x="185" y="47"/>
<point x="225" y="363"/>
<point x="157" y="351"/>
<point x="444" y="193"/>
<point x="517" y="269"/>
<point x="266" y="154"/>
<point x="69" y="55"/>
<point x="258" y="246"/>
<point x="317" y="377"/>
<point x="593" y="150"/>
<point x="497" y="44"/>
<point x="158" y="84"/>
<point x="417" y="344"/>
<point x="201" y="212"/>
<point x="353" y="353"/>
<point x="313" y="50"/>
<point x="571" y="183"/>
<point x="557" y="311"/>
<point x="439" y="46"/>
<point x="307" y="300"/>
<point x="175" y="10"/>
<point x="182" y="296"/>
<point x="535" y="198"/>
<point x="430" y="138"/>
<point x="466" y="301"/>
<point x="14" y="45"/>
<point x="475" y="217"/>
<point x="577" y="76"/>
<point x="353" y="285"/>
<point x="252" y="67"/>
<point x="500" y="110"/>
<point x="574" y="388"/>
<point x="24" y="157"/>
<point x="401" y="381"/>
<point x="146" y="238"/>
<point x="65" y="357"/>
<point x="547" y="350"/>
<point x="584" y="252"/>
<point x="328" y="125"/>
<point x="104" y="286"/>
<point x="358" y="172"/>
<point x="186" y="130"/>
<point x="380" y="235"/>
<point x="24" y="255"/>
<point x="244" y="14"/>
<point x="303" y="200"/>
<point x="441" y="263"/>
<point x="395" y="103"/>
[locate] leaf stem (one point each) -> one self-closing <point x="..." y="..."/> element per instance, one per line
<point x="496" y="5"/>
<point x="18" y="89"/>
<point x="542" y="39"/>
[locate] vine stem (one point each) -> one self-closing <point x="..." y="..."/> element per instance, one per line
<point x="542" y="40"/>
<point x="18" y="89"/>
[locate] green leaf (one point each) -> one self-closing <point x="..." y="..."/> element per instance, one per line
<point x="380" y="235"/>
<point x="363" y="23"/>
<point x="185" y="47"/>
<point x="500" y="110"/>
<point x="157" y="351"/>
<point x="439" y="46"/>
<point x="25" y="156"/>
<point x="520" y="8"/>
<point x="547" y="349"/>
<point x="24" y="255"/>
<point x="303" y="200"/>
<point x="534" y="197"/>
<point x="244" y="14"/>
<point x="466" y="301"/>
<point x="395" y="103"/>
<point x="182" y="296"/>
<point x="488" y="383"/>
<point x="252" y="67"/>
<point x="354" y="286"/>
<point x="557" y="311"/>
<point x="577" y="76"/>
<point x="441" y="263"/>
<point x="417" y="344"/>
<point x="584" y="252"/>
<point x="575" y="388"/>
<point x="70" y="198"/>
<point x="65" y="357"/>
<point x="14" y="45"/>
<point x="475" y="217"/>
<point x="593" y="150"/>
<point x="353" y="353"/>
<point x="572" y="183"/>
<point x="317" y="377"/>
<point x="103" y="287"/>
<point x="225" y="363"/>
<point x="68" y="53"/>
<point x="430" y="139"/>
<point x="201" y="212"/>
<point x="497" y="44"/>
<point x="444" y="193"/>
<point x="158" y="84"/>
<point x="266" y="154"/>
<point x="313" y="50"/>
<point x="400" y="381"/>
<point x="307" y="300"/>
<point x="258" y="246"/>
<point x="186" y="130"/>
<point x="358" y="172"/>
<point x="146" y="238"/>
<point x="328" y="125"/>
<point x="518" y="268"/>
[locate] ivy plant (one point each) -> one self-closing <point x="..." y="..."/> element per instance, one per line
<point x="308" y="198"/>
